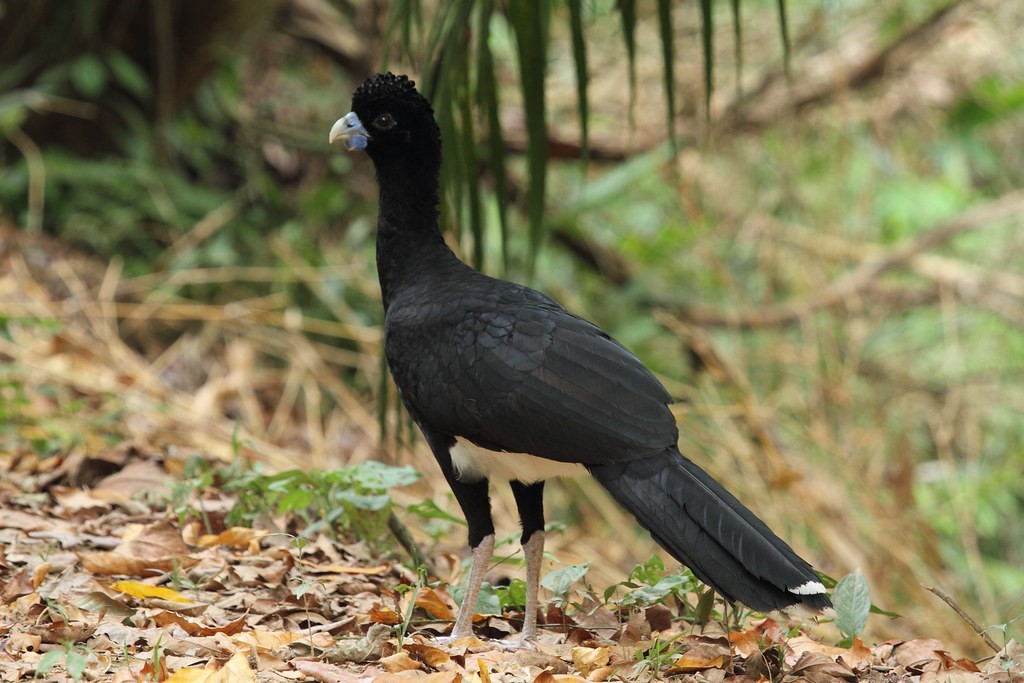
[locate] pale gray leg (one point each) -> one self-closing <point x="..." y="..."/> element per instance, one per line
<point x="481" y="559"/>
<point x="533" y="549"/>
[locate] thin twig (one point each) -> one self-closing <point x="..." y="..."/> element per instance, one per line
<point x="942" y="595"/>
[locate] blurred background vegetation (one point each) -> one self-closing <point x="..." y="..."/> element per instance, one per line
<point x="805" y="217"/>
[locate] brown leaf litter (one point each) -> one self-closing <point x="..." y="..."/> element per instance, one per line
<point x="95" y="561"/>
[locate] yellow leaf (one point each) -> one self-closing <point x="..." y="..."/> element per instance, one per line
<point x="190" y="675"/>
<point x="144" y="590"/>
<point x="237" y="670"/>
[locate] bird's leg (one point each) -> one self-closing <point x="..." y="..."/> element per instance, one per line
<point x="534" y="551"/>
<point x="481" y="558"/>
<point x="530" y="501"/>
<point x="475" y="502"/>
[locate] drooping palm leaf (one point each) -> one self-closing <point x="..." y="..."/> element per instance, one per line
<point x="668" y="53"/>
<point x="530" y="22"/>
<point x="579" y="57"/>
<point x="784" y="34"/>
<point x="627" y="10"/>
<point x="737" y="37"/>
<point x="459" y="74"/>
<point x="487" y="95"/>
<point x="707" y="32"/>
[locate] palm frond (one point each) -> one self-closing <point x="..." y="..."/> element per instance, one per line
<point x="530" y="22"/>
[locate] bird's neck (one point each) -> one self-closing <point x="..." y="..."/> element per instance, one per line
<point x="409" y="237"/>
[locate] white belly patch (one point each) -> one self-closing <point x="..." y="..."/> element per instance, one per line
<point x="473" y="463"/>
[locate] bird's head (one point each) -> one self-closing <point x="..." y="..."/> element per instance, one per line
<point x="391" y="120"/>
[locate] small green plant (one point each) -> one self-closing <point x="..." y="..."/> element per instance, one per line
<point x="662" y="654"/>
<point x="649" y="584"/>
<point x="852" y="602"/>
<point x="561" y="581"/>
<point x="75" y="660"/>
<point x="352" y="499"/>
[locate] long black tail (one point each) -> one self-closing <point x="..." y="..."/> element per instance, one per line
<point x="703" y="526"/>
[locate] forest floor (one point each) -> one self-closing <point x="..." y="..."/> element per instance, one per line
<point x="108" y="581"/>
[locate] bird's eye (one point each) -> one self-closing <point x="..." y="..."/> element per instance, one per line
<point x="384" y="122"/>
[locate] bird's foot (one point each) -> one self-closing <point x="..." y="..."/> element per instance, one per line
<point x="460" y="639"/>
<point x="520" y="642"/>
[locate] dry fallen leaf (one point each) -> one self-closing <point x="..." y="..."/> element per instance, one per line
<point x="235" y="537"/>
<point x="106" y="563"/>
<point x="318" y="568"/>
<point x="433" y="657"/>
<point x="586" y="659"/>
<point x="400" y="661"/>
<point x="379" y="615"/>
<point x="430" y="601"/>
<point x="419" y="677"/>
<point x="745" y="643"/>
<point x="73" y="499"/>
<point x="19" y="585"/>
<point x="857" y="656"/>
<point x="264" y="640"/>
<point x="917" y="654"/>
<point x="698" y="658"/>
<point x="360" y="650"/>
<point x="818" y="663"/>
<point x="164" y="618"/>
<point x="136" y="477"/>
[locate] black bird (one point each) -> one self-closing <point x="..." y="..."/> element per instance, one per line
<point x="505" y="384"/>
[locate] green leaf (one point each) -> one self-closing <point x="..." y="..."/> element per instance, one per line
<point x="650" y="572"/>
<point x="784" y="34"/>
<point x="707" y="33"/>
<point x="47" y="661"/>
<point x="128" y="74"/>
<point x="88" y="75"/>
<point x="668" y="66"/>
<point x="364" y="501"/>
<point x="650" y="595"/>
<point x="75" y="662"/>
<point x="627" y="12"/>
<point x="579" y="57"/>
<point x="530" y="25"/>
<point x="488" y="601"/>
<point x="560" y="581"/>
<point x="705" y="606"/>
<point x="428" y="509"/>
<point x="470" y="167"/>
<point x="376" y="476"/>
<point x="296" y="499"/>
<point x="852" y="602"/>
<point x="487" y="92"/>
<point x="513" y="595"/>
<point x="875" y="609"/>
<point x="737" y="36"/>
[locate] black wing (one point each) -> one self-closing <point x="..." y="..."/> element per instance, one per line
<point x="511" y="370"/>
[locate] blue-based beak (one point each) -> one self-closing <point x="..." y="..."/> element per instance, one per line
<point x="349" y="130"/>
